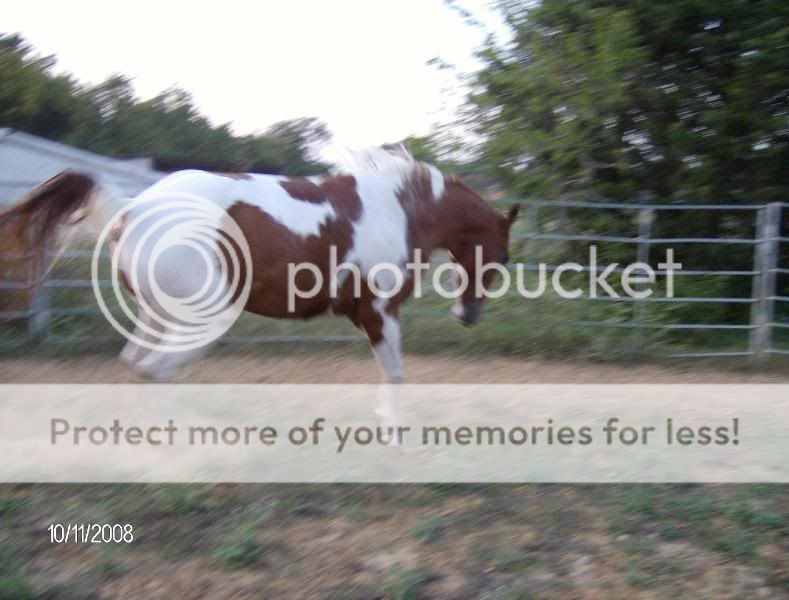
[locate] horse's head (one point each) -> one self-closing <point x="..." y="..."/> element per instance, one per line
<point x="479" y="236"/>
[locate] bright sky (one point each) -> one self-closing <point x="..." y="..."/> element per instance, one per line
<point x="359" y="65"/>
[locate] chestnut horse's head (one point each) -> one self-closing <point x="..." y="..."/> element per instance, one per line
<point x="479" y="236"/>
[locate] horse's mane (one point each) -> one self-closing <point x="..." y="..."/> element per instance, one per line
<point x="377" y="160"/>
<point x="396" y="162"/>
<point x="34" y="220"/>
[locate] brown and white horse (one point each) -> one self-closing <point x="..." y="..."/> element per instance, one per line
<point x="389" y="210"/>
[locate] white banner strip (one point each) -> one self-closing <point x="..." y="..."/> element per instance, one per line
<point x="409" y="433"/>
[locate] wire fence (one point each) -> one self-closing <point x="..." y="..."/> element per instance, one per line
<point x="766" y="244"/>
<point x="767" y="298"/>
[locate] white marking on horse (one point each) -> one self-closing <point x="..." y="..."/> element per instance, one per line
<point x="437" y="182"/>
<point x="380" y="235"/>
<point x="262" y="191"/>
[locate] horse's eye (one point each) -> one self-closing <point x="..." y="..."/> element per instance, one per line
<point x="505" y="259"/>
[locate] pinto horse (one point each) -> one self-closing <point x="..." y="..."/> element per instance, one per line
<point x="389" y="208"/>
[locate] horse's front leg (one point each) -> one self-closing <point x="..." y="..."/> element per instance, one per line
<point x="384" y="336"/>
<point x="383" y="331"/>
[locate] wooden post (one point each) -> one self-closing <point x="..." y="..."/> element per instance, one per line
<point x="763" y="291"/>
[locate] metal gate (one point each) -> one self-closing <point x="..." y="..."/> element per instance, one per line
<point x="766" y="243"/>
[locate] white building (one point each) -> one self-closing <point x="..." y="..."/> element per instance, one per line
<point x="28" y="160"/>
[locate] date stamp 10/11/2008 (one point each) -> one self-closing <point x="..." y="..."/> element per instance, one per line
<point x="91" y="533"/>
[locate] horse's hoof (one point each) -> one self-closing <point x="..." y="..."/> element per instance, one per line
<point x="153" y="374"/>
<point x="128" y="358"/>
<point x="395" y="443"/>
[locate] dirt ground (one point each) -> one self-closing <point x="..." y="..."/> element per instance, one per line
<point x="333" y="366"/>
<point x="501" y="542"/>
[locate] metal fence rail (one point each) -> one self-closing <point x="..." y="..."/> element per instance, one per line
<point x="765" y="296"/>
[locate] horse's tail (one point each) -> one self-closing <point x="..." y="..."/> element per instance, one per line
<point x="31" y="223"/>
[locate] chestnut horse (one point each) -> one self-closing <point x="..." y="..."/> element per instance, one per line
<point x="391" y="209"/>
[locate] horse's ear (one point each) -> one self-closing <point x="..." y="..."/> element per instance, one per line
<point x="512" y="214"/>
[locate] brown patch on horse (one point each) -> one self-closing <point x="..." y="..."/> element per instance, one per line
<point x="480" y="225"/>
<point x="341" y="192"/>
<point x="273" y="246"/>
<point x="243" y="176"/>
<point x="303" y="189"/>
<point x="418" y="203"/>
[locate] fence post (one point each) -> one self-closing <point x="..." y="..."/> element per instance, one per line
<point x="38" y="323"/>
<point x="645" y="218"/>
<point x="763" y="292"/>
<point x="531" y="226"/>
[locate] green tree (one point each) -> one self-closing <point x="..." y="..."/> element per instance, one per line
<point x="110" y="119"/>
<point x="678" y="100"/>
<point x="30" y="96"/>
<point x="422" y="147"/>
<point x="294" y="143"/>
<point x="682" y="101"/>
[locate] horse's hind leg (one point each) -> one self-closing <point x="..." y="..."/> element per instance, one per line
<point x="159" y="363"/>
<point x="133" y="352"/>
<point x="163" y="363"/>
<point x="193" y="300"/>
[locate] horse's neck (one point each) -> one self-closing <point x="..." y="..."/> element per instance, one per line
<point x="453" y="218"/>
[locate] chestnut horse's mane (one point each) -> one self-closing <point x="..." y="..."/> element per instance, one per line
<point x="32" y="222"/>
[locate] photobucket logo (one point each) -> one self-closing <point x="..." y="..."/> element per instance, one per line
<point x="187" y="264"/>
<point x="385" y="280"/>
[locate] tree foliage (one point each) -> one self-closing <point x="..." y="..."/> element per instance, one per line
<point x="110" y="119"/>
<point x="681" y="100"/>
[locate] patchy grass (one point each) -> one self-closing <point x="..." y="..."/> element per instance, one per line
<point x="408" y="584"/>
<point x="732" y="524"/>
<point x="15" y="586"/>
<point x="240" y="549"/>
<point x="244" y="544"/>
<point x="183" y="499"/>
<point x="756" y="514"/>
<point x="9" y="505"/>
<point x="635" y="576"/>
<point x="511" y="560"/>
<point x="409" y="541"/>
<point x="14" y="581"/>
<point x="518" y="589"/>
<point x="429" y="530"/>
<point x="108" y="563"/>
<point x="735" y="543"/>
